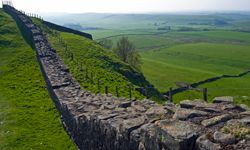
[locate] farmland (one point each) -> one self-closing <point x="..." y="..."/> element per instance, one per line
<point x="202" y="60"/>
<point x="198" y="46"/>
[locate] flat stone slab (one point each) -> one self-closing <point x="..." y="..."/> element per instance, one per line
<point x="200" y="105"/>
<point x="176" y="134"/>
<point x="156" y="113"/>
<point x="192" y="103"/>
<point x="228" y="107"/>
<point x="224" y="99"/>
<point x="183" y="114"/>
<point x="215" y="120"/>
<point x="211" y="110"/>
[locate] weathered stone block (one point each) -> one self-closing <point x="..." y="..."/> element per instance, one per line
<point x="177" y="135"/>
<point x="132" y="124"/>
<point x="183" y="114"/>
<point x="156" y="113"/>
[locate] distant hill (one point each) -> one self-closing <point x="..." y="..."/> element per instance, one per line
<point x="79" y="27"/>
<point x="107" y="20"/>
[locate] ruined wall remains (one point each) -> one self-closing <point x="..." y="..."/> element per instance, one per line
<point x="105" y="122"/>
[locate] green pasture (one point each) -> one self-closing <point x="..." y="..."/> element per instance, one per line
<point x="239" y="88"/>
<point x="190" y="63"/>
<point x="199" y="46"/>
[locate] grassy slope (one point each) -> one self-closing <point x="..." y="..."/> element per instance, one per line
<point x="28" y="118"/>
<point x="100" y="62"/>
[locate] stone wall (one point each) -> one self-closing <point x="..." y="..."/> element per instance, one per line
<point x="105" y="122"/>
<point x="65" y="29"/>
<point x="209" y="80"/>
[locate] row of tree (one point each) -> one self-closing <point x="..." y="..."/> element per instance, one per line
<point x="125" y="50"/>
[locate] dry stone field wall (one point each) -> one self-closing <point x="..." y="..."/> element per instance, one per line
<point x="105" y="122"/>
<point x="209" y="80"/>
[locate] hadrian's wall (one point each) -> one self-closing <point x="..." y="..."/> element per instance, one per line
<point x="65" y="29"/>
<point x="105" y="122"/>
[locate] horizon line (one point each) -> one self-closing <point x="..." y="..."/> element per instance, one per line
<point x="154" y="12"/>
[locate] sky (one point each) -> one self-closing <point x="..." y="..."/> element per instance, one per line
<point x="129" y="6"/>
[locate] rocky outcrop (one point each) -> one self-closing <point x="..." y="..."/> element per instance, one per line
<point x="105" y="122"/>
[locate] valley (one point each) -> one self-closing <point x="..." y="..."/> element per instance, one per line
<point x="182" y="47"/>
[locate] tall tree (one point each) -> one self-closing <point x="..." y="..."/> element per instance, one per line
<point x="126" y="51"/>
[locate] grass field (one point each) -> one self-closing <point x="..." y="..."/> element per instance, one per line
<point x="239" y="88"/>
<point x="191" y="63"/>
<point x="156" y="40"/>
<point x="28" y="118"/>
<point x="195" y="62"/>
